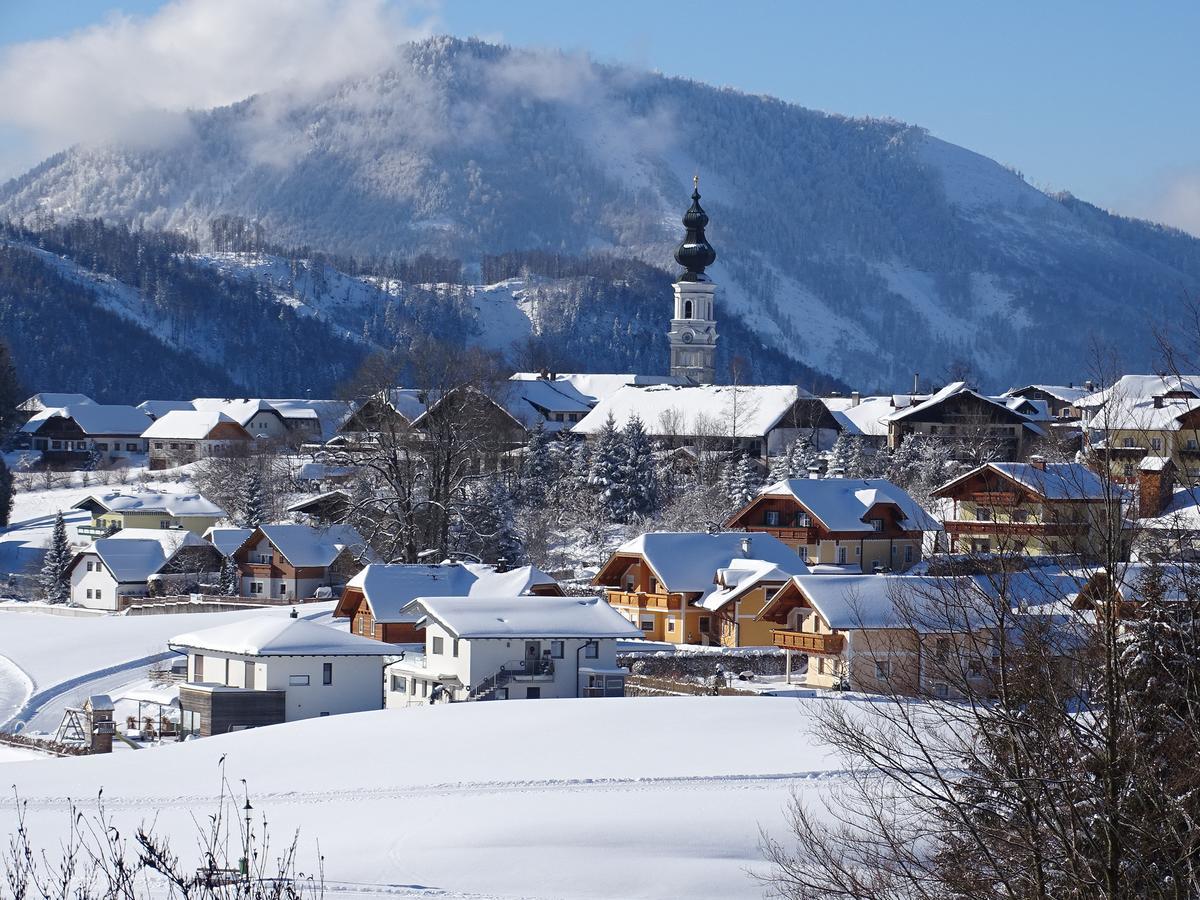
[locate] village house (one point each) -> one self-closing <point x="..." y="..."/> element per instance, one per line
<point x="758" y="419"/>
<point x="311" y="420"/>
<point x="1144" y="415"/>
<point x="135" y="508"/>
<point x="388" y="412"/>
<point x="180" y="437"/>
<point x="687" y="588"/>
<point x="511" y="648"/>
<point x="323" y="509"/>
<point x="377" y="600"/>
<point x="868" y="525"/>
<point x="1034" y="508"/>
<point x="972" y="420"/>
<point x="156" y="409"/>
<point x="269" y="669"/>
<point x="258" y="417"/>
<point x="882" y="633"/>
<point x="45" y="400"/>
<point x="91" y="432"/>
<point x="857" y="416"/>
<point x="1061" y="401"/>
<point x="227" y="539"/>
<point x="293" y="562"/>
<point x="134" y="563"/>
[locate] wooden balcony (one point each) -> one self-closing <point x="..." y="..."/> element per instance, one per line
<point x="642" y="600"/>
<point x="1018" y="529"/>
<point x="996" y="498"/>
<point x="787" y="535"/>
<point x="822" y="644"/>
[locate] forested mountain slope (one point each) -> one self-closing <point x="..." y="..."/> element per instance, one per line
<point x="835" y="236"/>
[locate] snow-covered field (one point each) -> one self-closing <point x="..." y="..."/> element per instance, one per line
<point x="554" y="798"/>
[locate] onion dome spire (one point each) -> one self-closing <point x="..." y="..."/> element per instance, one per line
<point x="695" y="252"/>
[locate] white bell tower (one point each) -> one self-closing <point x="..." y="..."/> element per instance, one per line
<point x="693" y="333"/>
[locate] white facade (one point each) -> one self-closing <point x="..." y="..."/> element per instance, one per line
<point x="94" y="587"/>
<point x="693" y="334"/>
<point x="467" y="669"/>
<point x="317" y="685"/>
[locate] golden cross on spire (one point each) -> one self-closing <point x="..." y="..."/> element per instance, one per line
<point x="696" y="180"/>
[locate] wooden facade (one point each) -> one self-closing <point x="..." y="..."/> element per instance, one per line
<point x="209" y="710"/>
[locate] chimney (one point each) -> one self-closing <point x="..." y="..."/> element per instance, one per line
<point x="1089" y="386"/>
<point x="1155" y="484"/>
<point x="746" y="547"/>
<point x="855" y="398"/>
<point x="1158" y="401"/>
<point x="814" y="471"/>
<point x="1038" y="462"/>
<point x="916" y="381"/>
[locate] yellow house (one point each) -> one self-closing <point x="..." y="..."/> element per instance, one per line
<point x="906" y="634"/>
<point x="686" y="588"/>
<point x="148" y="509"/>
<point x="1034" y="509"/>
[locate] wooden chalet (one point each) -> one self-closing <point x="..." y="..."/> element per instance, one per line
<point x="293" y="562"/>
<point x="958" y="413"/>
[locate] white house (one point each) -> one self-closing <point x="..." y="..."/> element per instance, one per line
<point x="511" y="648"/>
<point x="112" y="572"/>
<point x="179" y="437"/>
<point x="258" y="417"/>
<point x="77" y="434"/>
<point x="272" y="668"/>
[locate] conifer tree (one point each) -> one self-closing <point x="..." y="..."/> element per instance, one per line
<point x="486" y="527"/>
<point x="254" y="511"/>
<point x="740" y="480"/>
<point x="858" y="463"/>
<point x="637" y="490"/>
<point x="7" y="489"/>
<point x="53" y="581"/>
<point x="839" y="456"/>
<point x="608" y="468"/>
<point x="230" y="583"/>
<point x="537" y="471"/>
<point x="801" y="456"/>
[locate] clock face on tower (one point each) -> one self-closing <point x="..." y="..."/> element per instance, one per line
<point x="688" y="336"/>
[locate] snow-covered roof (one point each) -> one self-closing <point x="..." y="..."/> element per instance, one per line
<point x="227" y="540"/>
<point x="1134" y="389"/>
<point x="592" y="388"/>
<point x="409" y="402"/>
<point x="151" y="501"/>
<point x="868" y="417"/>
<point x="313" y="471"/>
<point x="1154" y="463"/>
<point x="241" y="411"/>
<point x="388" y="588"/>
<point x="51" y="400"/>
<point x="953" y="389"/>
<point x="188" y="425"/>
<point x="306" y="545"/>
<point x="741" y="576"/>
<point x="1182" y="512"/>
<point x="696" y="409"/>
<point x="1066" y="393"/>
<point x="95" y="419"/>
<point x="158" y="408"/>
<point x="687" y="562"/>
<point x="925" y="603"/>
<point x="842" y="504"/>
<point x="526" y="617"/>
<point x="278" y="635"/>
<point x="533" y="401"/>
<point x="329" y="414"/>
<point x="134" y="554"/>
<point x="1057" y="481"/>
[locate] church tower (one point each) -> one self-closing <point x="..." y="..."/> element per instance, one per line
<point x="693" y="333"/>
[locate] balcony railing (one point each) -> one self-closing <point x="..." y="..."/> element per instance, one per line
<point x="643" y="600"/>
<point x="1049" y="529"/>
<point x="823" y="644"/>
<point x="97" y="531"/>
<point x="799" y="534"/>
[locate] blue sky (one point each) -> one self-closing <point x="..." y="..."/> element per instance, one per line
<point x="1098" y="98"/>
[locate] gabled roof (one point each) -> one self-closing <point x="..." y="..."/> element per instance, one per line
<point x="842" y="504"/>
<point x="696" y="409"/>
<point x="473" y="394"/>
<point x="592" y="388"/>
<point x="1058" y="481"/>
<point x="957" y="388"/>
<point x="1065" y="393"/>
<point x="278" y="635"/>
<point x="329" y="414"/>
<point x="924" y="603"/>
<point x="389" y="588"/>
<point x="158" y="408"/>
<point x="740" y="577"/>
<point x="533" y="401"/>
<point x="150" y="501"/>
<point x="227" y="540"/>
<point x="526" y="617"/>
<point x="241" y="411"/>
<point x="309" y="546"/>
<point x="687" y="562"/>
<point x="190" y="425"/>
<point x="868" y="417"/>
<point x="1133" y="389"/>
<point x="51" y="400"/>
<point x="132" y="555"/>
<point x="95" y="419"/>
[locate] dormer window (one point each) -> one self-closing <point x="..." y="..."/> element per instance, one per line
<point x="803" y="520"/>
<point x="877" y="524"/>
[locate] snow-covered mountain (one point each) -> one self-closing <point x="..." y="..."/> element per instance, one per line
<point x="866" y="249"/>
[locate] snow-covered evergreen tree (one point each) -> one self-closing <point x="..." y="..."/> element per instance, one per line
<point x="839" y="456"/>
<point x="858" y="461"/>
<point x="230" y="583"/>
<point x="637" y="490"/>
<point x="486" y="526"/>
<point x="794" y="461"/>
<point x="538" y="467"/>
<point x="740" y="480"/>
<point x="254" y="505"/>
<point x="54" y="583"/>
<point x="607" y="470"/>
<point x="7" y="489"/>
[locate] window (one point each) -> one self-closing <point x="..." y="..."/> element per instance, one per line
<point x="99" y="594"/>
<point x="858" y="550"/>
<point x="1128" y="470"/>
<point x="877" y="524"/>
<point x="933" y="429"/>
<point x="327" y="673"/>
<point x="1128" y="442"/>
<point x="256" y="587"/>
<point x="454" y="648"/>
<point x="881" y="669"/>
<point x="705" y="623"/>
<point x="803" y="520"/>
<point x="1191" y="444"/>
<point x="940" y="689"/>
<point x="132" y="448"/>
<point x="983" y="514"/>
<point x="437" y="645"/>
<point x="174" y="445"/>
<point x="399" y="684"/>
<point x="1155" y="443"/>
<point x="198" y="663"/>
<point x="591" y="650"/>
<point x="1020" y="515"/>
<point x="556" y="649"/>
<point x="771" y="517"/>
<point x="158" y="445"/>
<point x="89" y="590"/>
<point x="283" y="590"/>
<point x="670" y="624"/>
<point x="647" y="624"/>
<point x="942" y="648"/>
<point x="89" y="565"/>
<point x="820" y="665"/>
<point x="841" y="556"/>
<point x="189" y="446"/>
<point x="164" y="523"/>
<point x="976" y="668"/>
<point x="298" y="680"/>
<point x="102" y="445"/>
<point x="908" y="553"/>
<point x="324" y="714"/>
<point x="533" y="693"/>
<point x="687" y="309"/>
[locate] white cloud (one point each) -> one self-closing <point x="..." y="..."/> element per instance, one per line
<point x="1171" y="197"/>
<point x="131" y="79"/>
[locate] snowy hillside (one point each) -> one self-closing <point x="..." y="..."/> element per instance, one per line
<point x="833" y="234"/>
